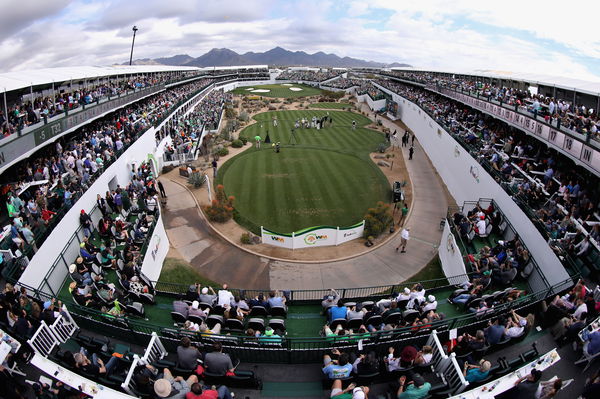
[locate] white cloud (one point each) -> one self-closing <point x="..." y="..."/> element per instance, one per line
<point x="429" y="34"/>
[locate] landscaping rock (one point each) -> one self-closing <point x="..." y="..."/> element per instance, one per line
<point x="383" y="163"/>
<point x="379" y="156"/>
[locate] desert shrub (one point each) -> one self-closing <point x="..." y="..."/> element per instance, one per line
<point x="222" y="152"/>
<point x="244" y="116"/>
<point x="221" y="208"/>
<point x="378" y="219"/>
<point x="197" y="179"/>
<point x="237" y="143"/>
<point x="244" y="140"/>
<point x="245" y="238"/>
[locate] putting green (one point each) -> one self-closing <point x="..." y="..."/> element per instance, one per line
<point x="279" y="91"/>
<point x="326" y="178"/>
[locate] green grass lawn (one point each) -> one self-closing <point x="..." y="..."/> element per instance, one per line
<point x="327" y="178"/>
<point x="331" y="105"/>
<point x="279" y="91"/>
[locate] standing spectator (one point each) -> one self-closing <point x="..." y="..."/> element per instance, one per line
<point x="161" y="188"/>
<point x="404" y="237"/>
<point x="86" y="222"/>
<point x="225" y="297"/>
<point x="214" y="167"/>
<point x="411" y="151"/>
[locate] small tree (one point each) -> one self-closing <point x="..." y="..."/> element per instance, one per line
<point x="378" y="219"/>
<point x="221" y="208"/>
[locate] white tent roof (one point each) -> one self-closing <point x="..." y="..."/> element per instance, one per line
<point x="580" y="85"/>
<point x="21" y="79"/>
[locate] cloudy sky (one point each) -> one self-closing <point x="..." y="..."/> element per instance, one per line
<point x="521" y="36"/>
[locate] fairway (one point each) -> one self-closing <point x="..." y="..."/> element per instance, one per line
<point x="326" y="178"/>
<point x="278" y="91"/>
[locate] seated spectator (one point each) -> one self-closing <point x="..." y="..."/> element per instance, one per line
<point x="93" y="367"/>
<point x="475" y="373"/>
<point x="259" y="300"/>
<point x="337" y="369"/>
<point x="494" y="332"/>
<point x="424" y="356"/>
<point x="276" y="299"/>
<point x="431" y="304"/>
<point x="78" y="278"/>
<point x="415" y="389"/>
<point x="548" y="389"/>
<point x="181" y="307"/>
<point x="330" y="300"/>
<point x="187" y="355"/>
<point x="355" y="312"/>
<point x="515" y="325"/>
<point x="592" y="343"/>
<point x="197" y="391"/>
<point x="217" y="362"/>
<point x="417" y="295"/>
<point x="194" y="310"/>
<point x="366" y="364"/>
<point x="350" y="392"/>
<point x="175" y="388"/>
<point x="337" y="312"/>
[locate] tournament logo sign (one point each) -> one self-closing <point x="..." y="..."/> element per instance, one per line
<point x="312" y="238"/>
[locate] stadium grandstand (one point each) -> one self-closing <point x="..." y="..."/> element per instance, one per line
<point x="129" y="269"/>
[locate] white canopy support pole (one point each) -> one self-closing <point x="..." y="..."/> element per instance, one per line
<point x="5" y="107"/>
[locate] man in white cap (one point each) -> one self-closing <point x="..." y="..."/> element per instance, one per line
<point x="431" y="304"/>
<point x="404" y="237"/>
<point x="330" y="300"/>
<point x="205" y="297"/>
<point x="404" y="295"/>
<point x="195" y="310"/>
<point x="173" y="388"/>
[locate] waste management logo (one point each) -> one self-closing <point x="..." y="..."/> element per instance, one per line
<point x="312" y="238"/>
<point x="278" y="239"/>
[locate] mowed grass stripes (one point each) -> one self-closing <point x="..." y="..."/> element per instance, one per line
<point x="279" y="91"/>
<point x="326" y="178"/>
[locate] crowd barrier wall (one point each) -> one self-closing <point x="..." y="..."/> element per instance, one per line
<point x="318" y="236"/>
<point x="450" y="255"/>
<point x="467" y="181"/>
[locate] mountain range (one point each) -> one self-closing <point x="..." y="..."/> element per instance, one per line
<point x="275" y="57"/>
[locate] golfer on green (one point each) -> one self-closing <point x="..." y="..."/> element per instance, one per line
<point x="257" y="138"/>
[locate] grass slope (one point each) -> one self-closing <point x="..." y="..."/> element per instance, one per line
<point x="279" y="91"/>
<point x="327" y="178"/>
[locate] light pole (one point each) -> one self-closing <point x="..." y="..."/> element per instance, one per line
<point x="135" y="29"/>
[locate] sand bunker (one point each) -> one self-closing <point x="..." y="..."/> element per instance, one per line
<point x="295" y="89"/>
<point x="286" y="84"/>
<point x="260" y="91"/>
<point x="250" y="88"/>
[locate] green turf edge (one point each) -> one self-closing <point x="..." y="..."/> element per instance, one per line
<point x="179" y="271"/>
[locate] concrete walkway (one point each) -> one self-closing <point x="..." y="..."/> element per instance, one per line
<point x="218" y="260"/>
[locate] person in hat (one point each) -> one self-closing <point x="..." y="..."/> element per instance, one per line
<point x="194" y="310"/>
<point x="415" y="389"/>
<point x="205" y="297"/>
<point x="271" y="337"/>
<point x="78" y="278"/>
<point x="257" y="139"/>
<point x="173" y="388"/>
<point x="86" y="222"/>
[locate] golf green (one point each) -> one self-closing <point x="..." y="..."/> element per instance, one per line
<point x="320" y="177"/>
<point x="278" y="90"/>
<point x="328" y="105"/>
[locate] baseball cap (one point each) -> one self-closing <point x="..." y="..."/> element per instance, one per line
<point x="269" y="331"/>
<point x="204" y="291"/>
<point x="47" y="304"/>
<point x="487" y="273"/>
<point x="431" y="298"/>
<point x="330" y="297"/>
<point x="195" y="305"/>
<point x="407" y="290"/>
<point x="72" y="268"/>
